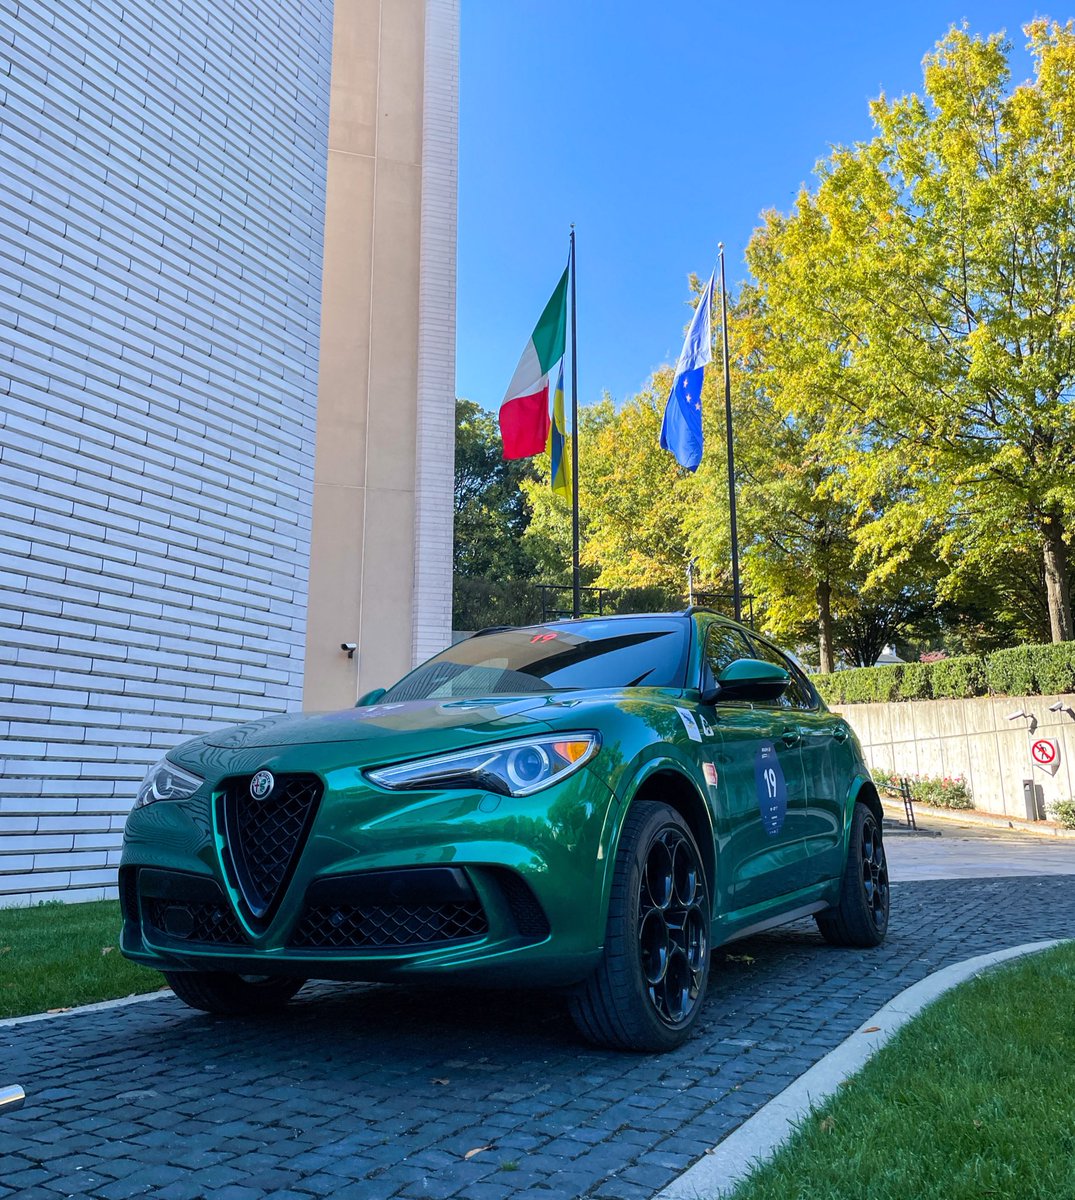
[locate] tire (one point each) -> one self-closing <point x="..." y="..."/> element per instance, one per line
<point x="649" y="988"/>
<point x="232" y="995"/>
<point x="860" y="917"/>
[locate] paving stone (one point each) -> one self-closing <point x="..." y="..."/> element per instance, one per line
<point x="336" y="1097"/>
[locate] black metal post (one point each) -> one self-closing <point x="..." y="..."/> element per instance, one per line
<point x="576" y="596"/>
<point x="737" y="599"/>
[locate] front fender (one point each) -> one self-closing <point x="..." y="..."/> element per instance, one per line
<point x="663" y="760"/>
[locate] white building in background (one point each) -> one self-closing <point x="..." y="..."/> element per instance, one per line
<point x="168" y="456"/>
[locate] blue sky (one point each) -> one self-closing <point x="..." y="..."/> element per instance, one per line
<point x="660" y="129"/>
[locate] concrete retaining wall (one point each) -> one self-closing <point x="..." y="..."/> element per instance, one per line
<point x="972" y="738"/>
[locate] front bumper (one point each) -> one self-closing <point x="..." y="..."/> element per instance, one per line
<point x="460" y="885"/>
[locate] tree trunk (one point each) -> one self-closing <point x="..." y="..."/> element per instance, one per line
<point x="1057" y="590"/>
<point x="824" y="621"/>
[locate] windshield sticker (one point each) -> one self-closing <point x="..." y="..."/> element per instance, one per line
<point x="690" y="724"/>
<point x="771" y="788"/>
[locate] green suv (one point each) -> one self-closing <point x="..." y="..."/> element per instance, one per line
<point x="590" y="805"/>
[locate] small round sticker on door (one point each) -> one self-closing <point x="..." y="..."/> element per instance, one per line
<point x="771" y="788"/>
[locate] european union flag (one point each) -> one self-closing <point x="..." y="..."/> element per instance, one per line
<point x="681" y="430"/>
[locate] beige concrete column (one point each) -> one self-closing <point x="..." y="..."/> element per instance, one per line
<point x="376" y="325"/>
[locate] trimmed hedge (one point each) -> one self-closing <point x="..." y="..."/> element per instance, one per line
<point x="954" y="678"/>
<point x="1046" y="670"/>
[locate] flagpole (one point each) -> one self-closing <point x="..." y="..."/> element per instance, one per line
<point x="737" y="599"/>
<point x="576" y="591"/>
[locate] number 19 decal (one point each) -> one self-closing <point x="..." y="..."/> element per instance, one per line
<point x="771" y="789"/>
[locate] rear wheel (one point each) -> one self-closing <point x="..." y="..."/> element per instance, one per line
<point x="860" y="917"/>
<point x="232" y="995"/>
<point x="648" y="990"/>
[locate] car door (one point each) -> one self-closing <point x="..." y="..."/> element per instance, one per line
<point x="820" y="822"/>
<point x="760" y="784"/>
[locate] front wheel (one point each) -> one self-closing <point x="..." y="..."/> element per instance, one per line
<point x="232" y="995"/>
<point x="648" y="990"/>
<point x="860" y="917"/>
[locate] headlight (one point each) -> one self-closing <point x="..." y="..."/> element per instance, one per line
<point x="166" y="781"/>
<point x="511" y="768"/>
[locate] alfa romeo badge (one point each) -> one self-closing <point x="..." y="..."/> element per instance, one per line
<point x="261" y="785"/>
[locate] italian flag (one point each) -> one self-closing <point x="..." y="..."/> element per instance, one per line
<point x="524" y="411"/>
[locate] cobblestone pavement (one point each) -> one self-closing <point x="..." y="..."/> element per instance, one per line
<point x="375" y="1092"/>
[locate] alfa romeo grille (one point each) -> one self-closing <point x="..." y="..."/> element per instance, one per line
<point x="265" y="837"/>
<point x="345" y="927"/>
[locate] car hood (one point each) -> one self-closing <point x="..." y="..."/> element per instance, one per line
<point x="379" y="731"/>
<point x="383" y="733"/>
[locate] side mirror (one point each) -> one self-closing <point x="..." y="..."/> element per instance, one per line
<point x="370" y="697"/>
<point x="751" y="679"/>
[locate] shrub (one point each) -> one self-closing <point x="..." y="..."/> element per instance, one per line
<point x="886" y="781"/>
<point x="829" y="687"/>
<point x="1063" y="811"/>
<point x="1046" y="670"/>
<point x="949" y="792"/>
<point x="957" y="678"/>
<point x="1054" y="668"/>
<point x="1011" y="672"/>
<point x="914" y="681"/>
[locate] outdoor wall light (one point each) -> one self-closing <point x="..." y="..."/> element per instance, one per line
<point x="350" y="647"/>
<point x="1029" y="717"/>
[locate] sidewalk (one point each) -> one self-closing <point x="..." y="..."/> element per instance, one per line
<point x="926" y="815"/>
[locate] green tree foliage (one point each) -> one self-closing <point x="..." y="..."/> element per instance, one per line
<point x="921" y="303"/>
<point x="492" y="561"/>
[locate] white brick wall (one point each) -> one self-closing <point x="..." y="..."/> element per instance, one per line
<point x="434" y="509"/>
<point x="161" y="218"/>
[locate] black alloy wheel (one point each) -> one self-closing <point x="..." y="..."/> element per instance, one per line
<point x="673" y="918"/>
<point x="875" y="873"/>
<point x="649" y="987"/>
<point x="860" y="915"/>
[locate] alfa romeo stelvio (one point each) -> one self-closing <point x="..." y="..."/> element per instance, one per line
<point x="589" y="805"/>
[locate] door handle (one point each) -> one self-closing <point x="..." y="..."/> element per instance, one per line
<point x="790" y="736"/>
<point x="840" y="733"/>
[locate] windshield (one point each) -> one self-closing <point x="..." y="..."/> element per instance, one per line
<point x="642" y="652"/>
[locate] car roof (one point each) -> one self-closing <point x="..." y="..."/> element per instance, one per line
<point x="683" y="614"/>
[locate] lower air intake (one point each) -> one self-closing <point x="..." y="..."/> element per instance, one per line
<point x="390" y="910"/>
<point x="394" y="927"/>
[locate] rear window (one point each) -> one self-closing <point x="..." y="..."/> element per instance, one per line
<point x="648" y="652"/>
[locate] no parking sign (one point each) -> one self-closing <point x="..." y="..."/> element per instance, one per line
<point x="1045" y="753"/>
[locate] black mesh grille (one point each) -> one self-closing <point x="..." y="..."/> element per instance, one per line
<point x="526" y="910"/>
<point x="351" y="927"/>
<point x="266" y="836"/>
<point x="208" y="923"/>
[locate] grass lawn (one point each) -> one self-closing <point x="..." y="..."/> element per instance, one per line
<point x="61" y="955"/>
<point x="972" y="1099"/>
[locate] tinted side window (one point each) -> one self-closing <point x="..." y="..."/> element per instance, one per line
<point x="723" y="645"/>
<point x="799" y="694"/>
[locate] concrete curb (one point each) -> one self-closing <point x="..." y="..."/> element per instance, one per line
<point x="724" y="1167"/>
<point x="971" y="816"/>
<point x="8" y="1022"/>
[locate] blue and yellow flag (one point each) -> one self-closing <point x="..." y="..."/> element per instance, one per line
<point x="561" y="477"/>
<point x="681" y="431"/>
